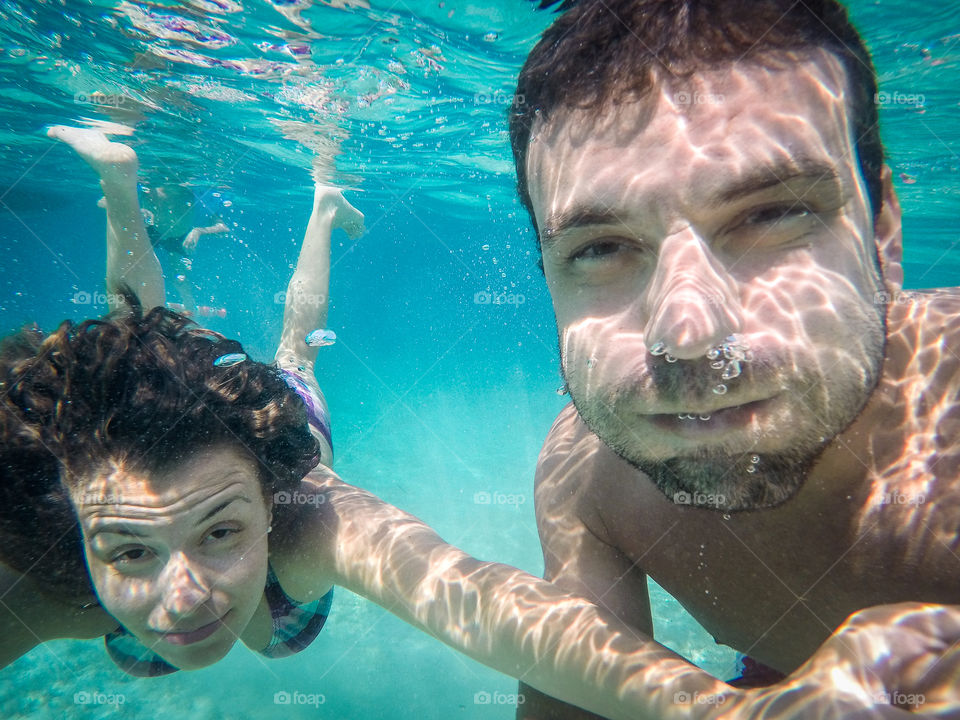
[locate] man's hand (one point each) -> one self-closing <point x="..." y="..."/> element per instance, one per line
<point x="887" y="661"/>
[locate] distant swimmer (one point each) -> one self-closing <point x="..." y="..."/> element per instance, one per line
<point x="135" y="232"/>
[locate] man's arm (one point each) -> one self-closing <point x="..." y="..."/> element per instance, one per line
<point x="577" y="557"/>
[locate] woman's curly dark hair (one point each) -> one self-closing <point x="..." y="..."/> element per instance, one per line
<point x="143" y="389"/>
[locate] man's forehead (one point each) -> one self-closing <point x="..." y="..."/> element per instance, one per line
<point x="731" y="120"/>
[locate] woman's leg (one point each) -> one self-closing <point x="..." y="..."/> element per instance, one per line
<point x="306" y="304"/>
<point x="130" y="257"/>
<point x="305" y="309"/>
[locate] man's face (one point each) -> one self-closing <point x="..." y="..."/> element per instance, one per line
<point x="731" y="205"/>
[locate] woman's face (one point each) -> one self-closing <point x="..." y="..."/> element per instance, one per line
<point x="179" y="556"/>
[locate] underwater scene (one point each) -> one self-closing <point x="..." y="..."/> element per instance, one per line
<point x="440" y="364"/>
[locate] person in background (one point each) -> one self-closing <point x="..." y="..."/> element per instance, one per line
<point x="136" y="233"/>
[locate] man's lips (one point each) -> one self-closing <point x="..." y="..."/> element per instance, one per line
<point x="193" y="636"/>
<point x="709" y="420"/>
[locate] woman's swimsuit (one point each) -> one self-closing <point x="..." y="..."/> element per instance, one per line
<point x="317" y="415"/>
<point x="295" y="626"/>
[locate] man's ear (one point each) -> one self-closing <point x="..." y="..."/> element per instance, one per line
<point x="888" y="232"/>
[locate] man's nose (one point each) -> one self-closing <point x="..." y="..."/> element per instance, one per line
<point x="183" y="587"/>
<point x="692" y="300"/>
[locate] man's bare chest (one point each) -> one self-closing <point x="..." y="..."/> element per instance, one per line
<point x="777" y="587"/>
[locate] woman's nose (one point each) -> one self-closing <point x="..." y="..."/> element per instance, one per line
<point x="183" y="586"/>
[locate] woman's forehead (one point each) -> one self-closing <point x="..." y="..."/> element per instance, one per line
<point x="176" y="487"/>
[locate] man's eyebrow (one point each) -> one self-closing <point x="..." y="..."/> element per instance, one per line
<point x="765" y="177"/>
<point x="574" y="217"/>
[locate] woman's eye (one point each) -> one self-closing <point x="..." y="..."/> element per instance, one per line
<point x="221" y="533"/>
<point x="133" y="555"/>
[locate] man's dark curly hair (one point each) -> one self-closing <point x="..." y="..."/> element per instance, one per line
<point x="600" y="53"/>
<point x="143" y="389"/>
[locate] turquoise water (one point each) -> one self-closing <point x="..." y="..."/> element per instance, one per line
<point x="434" y="397"/>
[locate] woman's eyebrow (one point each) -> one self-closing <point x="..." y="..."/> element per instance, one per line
<point x="120" y="528"/>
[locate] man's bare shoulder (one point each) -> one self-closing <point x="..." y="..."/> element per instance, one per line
<point x="579" y="476"/>
<point x="923" y="350"/>
<point x="920" y="316"/>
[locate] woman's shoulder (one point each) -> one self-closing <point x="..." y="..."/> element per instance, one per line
<point x="303" y="536"/>
<point x="30" y="614"/>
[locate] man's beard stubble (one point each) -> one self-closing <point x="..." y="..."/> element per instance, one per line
<point x="713" y="477"/>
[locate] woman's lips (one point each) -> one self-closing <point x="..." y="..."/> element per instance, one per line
<point x="193" y="636"/>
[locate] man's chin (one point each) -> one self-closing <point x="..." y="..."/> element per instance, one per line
<point x="728" y="483"/>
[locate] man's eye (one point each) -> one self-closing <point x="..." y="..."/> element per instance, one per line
<point x="598" y="250"/>
<point x="776" y="214"/>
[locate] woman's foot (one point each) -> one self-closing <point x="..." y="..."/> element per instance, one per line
<point x="113" y="162"/>
<point x="345" y="215"/>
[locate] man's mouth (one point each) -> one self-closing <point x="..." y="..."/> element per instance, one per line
<point x="709" y="420"/>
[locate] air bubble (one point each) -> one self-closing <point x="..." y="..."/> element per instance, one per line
<point x="669" y="358"/>
<point x="754" y="459"/>
<point x="732" y="370"/>
<point x="658" y="349"/>
<point x="752" y="469"/>
<point x="713" y="353"/>
<point x="718" y="364"/>
<point x="704" y="417"/>
<point x="720" y="389"/>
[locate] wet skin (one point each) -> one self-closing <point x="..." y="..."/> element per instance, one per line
<point x="178" y="556"/>
<point x="741" y="212"/>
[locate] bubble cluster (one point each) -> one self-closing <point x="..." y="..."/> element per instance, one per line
<point x="728" y="357"/>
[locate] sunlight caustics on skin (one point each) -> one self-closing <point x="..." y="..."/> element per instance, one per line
<point x="791" y="280"/>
